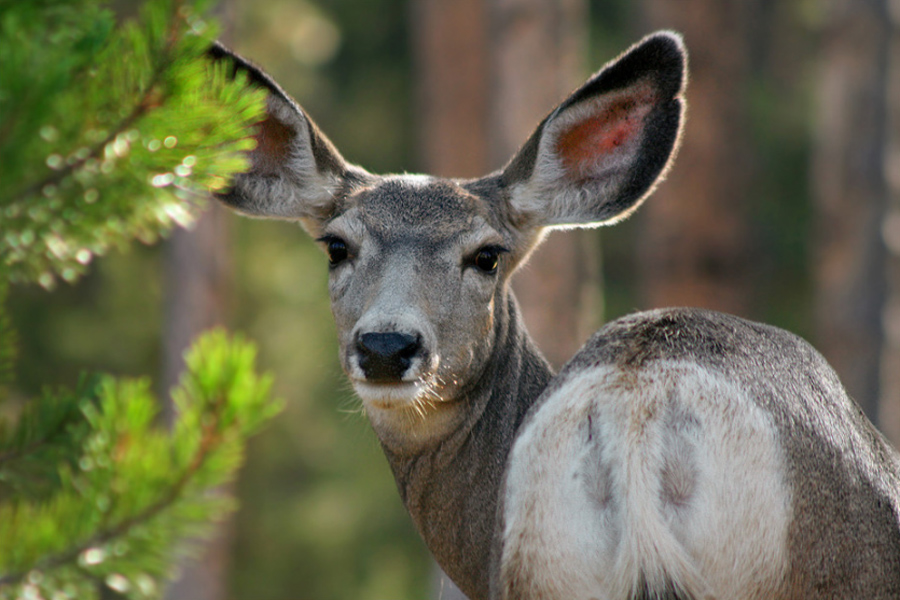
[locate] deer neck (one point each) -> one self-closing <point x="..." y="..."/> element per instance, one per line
<point x="451" y="489"/>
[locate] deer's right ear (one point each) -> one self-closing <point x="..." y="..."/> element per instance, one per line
<point x="599" y="154"/>
<point x="296" y="172"/>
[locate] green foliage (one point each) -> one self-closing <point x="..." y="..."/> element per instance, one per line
<point x="132" y="489"/>
<point x="7" y="342"/>
<point x="107" y="134"/>
<point x="48" y="434"/>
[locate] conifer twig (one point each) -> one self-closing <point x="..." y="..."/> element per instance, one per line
<point x="34" y="446"/>
<point x="146" y="102"/>
<point x="209" y="441"/>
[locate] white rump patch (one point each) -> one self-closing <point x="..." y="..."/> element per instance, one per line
<point x="667" y="474"/>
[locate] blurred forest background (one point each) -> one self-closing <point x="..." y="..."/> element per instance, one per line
<point x="783" y="206"/>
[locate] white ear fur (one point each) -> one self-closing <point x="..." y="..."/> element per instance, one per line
<point x="602" y="151"/>
<point x="285" y="182"/>
<point x="295" y="173"/>
<point x="585" y="153"/>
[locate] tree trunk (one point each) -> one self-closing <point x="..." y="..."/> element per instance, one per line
<point x="451" y="83"/>
<point x="537" y="51"/>
<point x="197" y="276"/>
<point x="889" y="405"/>
<point x="694" y="244"/>
<point x="850" y="195"/>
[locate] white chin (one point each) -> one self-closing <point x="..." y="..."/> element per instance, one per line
<point x="386" y="396"/>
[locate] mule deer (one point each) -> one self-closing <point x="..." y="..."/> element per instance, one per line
<point x="681" y="453"/>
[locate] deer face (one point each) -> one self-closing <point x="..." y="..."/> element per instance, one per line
<point x="417" y="265"/>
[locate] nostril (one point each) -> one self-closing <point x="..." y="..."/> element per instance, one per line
<point x="385" y="357"/>
<point x="411" y="348"/>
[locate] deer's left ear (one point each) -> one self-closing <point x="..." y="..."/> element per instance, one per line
<point x="599" y="154"/>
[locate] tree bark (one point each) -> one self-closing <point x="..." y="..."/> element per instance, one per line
<point x="850" y="195"/>
<point x="197" y="277"/>
<point x="451" y="84"/>
<point x="694" y="242"/>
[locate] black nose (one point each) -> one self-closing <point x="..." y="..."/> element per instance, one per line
<point x="385" y="357"/>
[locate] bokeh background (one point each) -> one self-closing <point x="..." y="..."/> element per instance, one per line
<point x="783" y="207"/>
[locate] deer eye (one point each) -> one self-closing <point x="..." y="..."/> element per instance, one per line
<point x="336" y="248"/>
<point x="487" y="259"/>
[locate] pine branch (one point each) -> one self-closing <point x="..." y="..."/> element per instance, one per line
<point x="97" y="150"/>
<point x="49" y="430"/>
<point x="115" y="131"/>
<point x="77" y="186"/>
<point x="208" y="443"/>
<point x="158" y="480"/>
<point x="7" y="339"/>
<point x="146" y="102"/>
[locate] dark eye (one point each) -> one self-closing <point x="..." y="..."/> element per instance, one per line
<point x="487" y="259"/>
<point x="337" y="250"/>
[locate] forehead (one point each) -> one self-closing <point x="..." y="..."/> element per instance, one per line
<point x="418" y="206"/>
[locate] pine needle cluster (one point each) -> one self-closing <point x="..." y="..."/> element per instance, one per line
<point x="97" y="495"/>
<point x="111" y="132"/>
<point x="108" y="133"/>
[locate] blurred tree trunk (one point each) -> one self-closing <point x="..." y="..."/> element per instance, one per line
<point x="197" y="270"/>
<point x="694" y="247"/>
<point x="850" y="194"/>
<point x="450" y="53"/>
<point x="537" y="50"/>
<point x="487" y="71"/>
<point x="889" y="406"/>
<point x="197" y="277"/>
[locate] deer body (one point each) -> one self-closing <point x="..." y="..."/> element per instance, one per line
<point x="680" y="454"/>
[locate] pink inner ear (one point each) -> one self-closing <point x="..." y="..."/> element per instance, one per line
<point x="584" y="145"/>
<point x="273" y="140"/>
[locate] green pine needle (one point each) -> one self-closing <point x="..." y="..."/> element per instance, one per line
<point x="135" y="490"/>
<point x="156" y="128"/>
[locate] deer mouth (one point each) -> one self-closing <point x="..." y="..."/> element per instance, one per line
<point x="387" y="395"/>
<point x="422" y="395"/>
